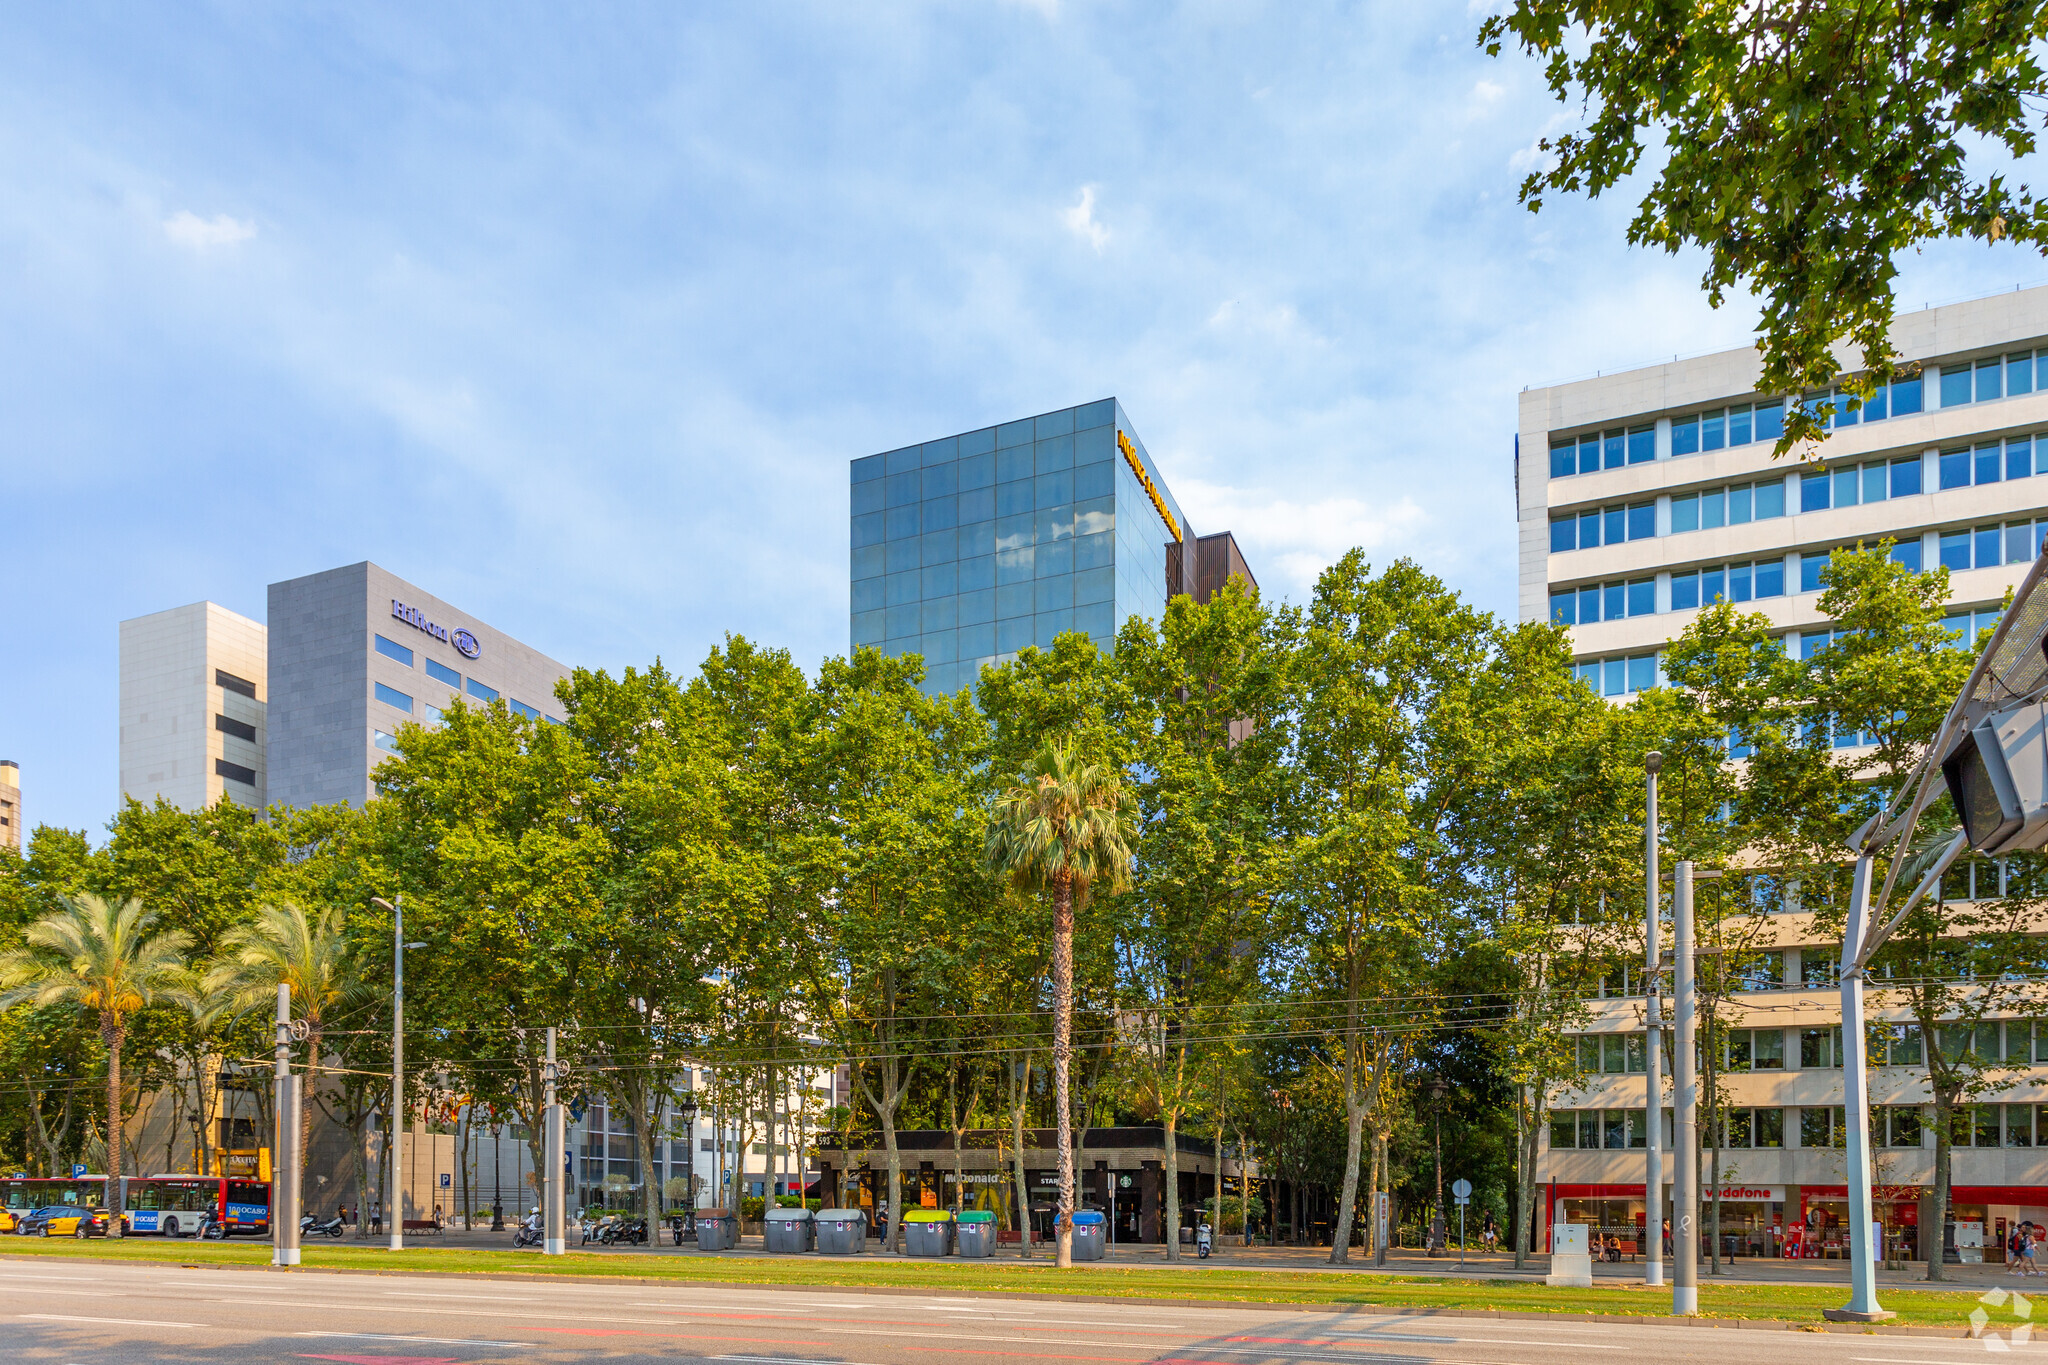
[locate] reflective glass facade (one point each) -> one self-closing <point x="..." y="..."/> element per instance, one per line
<point x="968" y="549"/>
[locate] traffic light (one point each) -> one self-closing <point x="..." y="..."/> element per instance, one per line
<point x="1997" y="776"/>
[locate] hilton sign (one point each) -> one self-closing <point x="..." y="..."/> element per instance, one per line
<point x="417" y="619"/>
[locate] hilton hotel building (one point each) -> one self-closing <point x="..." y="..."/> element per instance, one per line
<point x="1649" y="494"/>
<point x="299" y="713"/>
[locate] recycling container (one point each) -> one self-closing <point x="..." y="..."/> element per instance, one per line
<point x="717" y="1230"/>
<point x="975" y="1232"/>
<point x="842" y="1232"/>
<point x="927" y="1232"/>
<point x="791" y="1231"/>
<point x="1089" y="1227"/>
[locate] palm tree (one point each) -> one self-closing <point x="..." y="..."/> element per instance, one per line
<point x="284" y="945"/>
<point x="105" y="960"/>
<point x="1066" y="827"/>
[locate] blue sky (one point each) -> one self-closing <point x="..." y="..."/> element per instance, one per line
<point x="573" y="315"/>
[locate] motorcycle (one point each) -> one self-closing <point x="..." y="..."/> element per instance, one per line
<point x="527" y="1236"/>
<point x="209" y="1228"/>
<point x="1203" y="1240"/>
<point x="311" y="1226"/>
<point x="625" y="1232"/>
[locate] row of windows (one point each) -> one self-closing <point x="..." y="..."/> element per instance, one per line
<point x="1750" y="1128"/>
<point x="1982" y="547"/>
<point x="1009" y="532"/>
<point x="1620" y="1054"/>
<point x="2001" y="1042"/>
<point x="1901" y="399"/>
<point x="1088" y="558"/>
<point x="1095" y="483"/>
<point x="1735" y="505"/>
<point x="971" y="474"/>
<point x="2020" y="457"/>
<point x="1994" y="377"/>
<point x="1603" y="526"/>
<point x="1047" y="427"/>
<point x="988" y="641"/>
<point x="1986" y="547"/>
<point x="1848" y="485"/>
<point x="1603" y="450"/>
<point x="1619" y="676"/>
<point x="1731" y="426"/>
<point x="1011" y="602"/>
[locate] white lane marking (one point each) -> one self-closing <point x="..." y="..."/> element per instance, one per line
<point x="1490" y="1341"/>
<point x="718" y="1308"/>
<point x="436" y="1341"/>
<point x="782" y="1360"/>
<point x="30" y="1277"/>
<point x="915" y="1334"/>
<point x="124" y="1322"/>
<point x="464" y="1298"/>
<point x="470" y="1312"/>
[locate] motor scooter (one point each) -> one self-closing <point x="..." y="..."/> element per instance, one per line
<point x="528" y="1234"/>
<point x="1203" y="1241"/>
<point x="311" y="1226"/>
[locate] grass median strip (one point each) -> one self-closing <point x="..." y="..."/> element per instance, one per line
<point x="1800" y="1304"/>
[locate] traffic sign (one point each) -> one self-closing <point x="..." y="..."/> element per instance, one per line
<point x="78" y="1172"/>
<point x="1462" y="1188"/>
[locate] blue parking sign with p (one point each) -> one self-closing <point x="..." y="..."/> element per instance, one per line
<point x="78" y="1172"/>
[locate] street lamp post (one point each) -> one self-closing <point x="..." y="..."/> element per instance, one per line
<point x="686" y="1108"/>
<point x="1653" y="1060"/>
<point x="1685" y="1194"/>
<point x="396" y="1203"/>
<point x="1439" y="1225"/>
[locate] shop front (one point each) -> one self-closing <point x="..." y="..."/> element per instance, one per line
<point x="1822" y="1232"/>
<point x="1751" y="1218"/>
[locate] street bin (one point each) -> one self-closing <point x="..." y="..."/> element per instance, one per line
<point x="717" y="1230"/>
<point x="927" y="1232"/>
<point x="975" y="1232"/>
<point x="842" y="1232"/>
<point x="791" y="1231"/>
<point x="1089" y="1228"/>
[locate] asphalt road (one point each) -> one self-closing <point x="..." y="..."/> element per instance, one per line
<point x="81" y="1313"/>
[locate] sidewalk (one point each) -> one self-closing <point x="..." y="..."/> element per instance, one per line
<point x="1403" y="1262"/>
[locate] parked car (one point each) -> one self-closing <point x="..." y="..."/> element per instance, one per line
<point x="65" y="1220"/>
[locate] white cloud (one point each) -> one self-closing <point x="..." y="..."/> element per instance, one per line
<point x="1080" y="220"/>
<point x="1487" y="93"/>
<point x="1288" y="542"/>
<point x="194" y="233"/>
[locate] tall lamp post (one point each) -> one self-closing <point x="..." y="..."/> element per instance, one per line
<point x="686" y="1109"/>
<point x="396" y="1203"/>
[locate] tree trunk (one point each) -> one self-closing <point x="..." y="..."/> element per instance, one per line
<point x="1944" y="1126"/>
<point x="310" y="1070"/>
<point x="1527" y="1142"/>
<point x="1354" y="1134"/>
<point x="1171" y="1125"/>
<point x="1021" y="1095"/>
<point x="1216" y="1218"/>
<point x="112" y="1034"/>
<point x="1062" y="1056"/>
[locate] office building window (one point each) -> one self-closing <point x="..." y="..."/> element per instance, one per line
<point x="442" y="673"/>
<point x="1993" y="377"/>
<point x="1820" y="967"/>
<point x="482" y="693"/>
<point x="1727" y="583"/>
<point x="432" y="713"/>
<point x="520" y="708"/>
<point x="1821" y="1127"/>
<point x="1986" y="547"/>
<point x="391" y="649"/>
<point x="1731" y="426"/>
<point x="225" y="679"/>
<point x="1602" y="450"/>
<point x="1749" y="1128"/>
<point x="1966" y="626"/>
<point x="234" y="772"/>
<point x="238" y="728"/>
<point x="385" y="740"/>
<point x="1820" y="1048"/>
<point x="1618" y="676"/>
<point x="391" y="696"/>
<point x="1901" y="399"/>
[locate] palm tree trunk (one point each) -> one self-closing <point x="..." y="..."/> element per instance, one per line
<point x="310" y="1070"/>
<point x="112" y="1034"/>
<point x="1062" y="1055"/>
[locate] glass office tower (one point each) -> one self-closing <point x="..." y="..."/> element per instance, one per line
<point x="970" y="548"/>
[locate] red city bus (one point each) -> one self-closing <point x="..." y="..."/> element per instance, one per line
<point x="173" y="1204"/>
<point x="21" y="1194"/>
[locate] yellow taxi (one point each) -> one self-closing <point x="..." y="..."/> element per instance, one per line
<point x="64" y="1220"/>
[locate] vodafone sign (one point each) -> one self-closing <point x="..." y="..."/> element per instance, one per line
<point x="1754" y="1194"/>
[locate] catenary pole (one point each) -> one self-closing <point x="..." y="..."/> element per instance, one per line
<point x="1863" y="1304"/>
<point x="553" y="1242"/>
<point x="1685" y="1194"/>
<point x="284" y="1160"/>
<point x="1653" y="1061"/>
<point x="395" y="1209"/>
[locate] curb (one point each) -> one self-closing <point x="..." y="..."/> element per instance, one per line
<point x="1052" y="1296"/>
